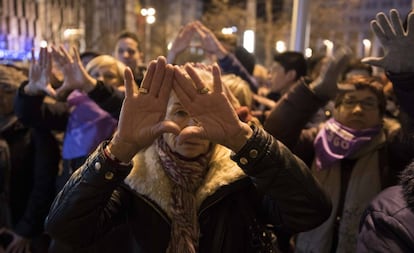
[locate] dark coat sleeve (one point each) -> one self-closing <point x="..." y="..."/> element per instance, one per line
<point x="404" y="90"/>
<point x="285" y="180"/>
<point x="91" y="203"/>
<point x="230" y="64"/>
<point x="287" y="121"/>
<point x="33" y="112"/>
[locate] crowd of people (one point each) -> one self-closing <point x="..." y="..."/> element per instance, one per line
<point x="105" y="153"/>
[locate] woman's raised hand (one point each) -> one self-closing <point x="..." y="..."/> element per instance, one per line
<point x="75" y="75"/>
<point x="142" y="115"/>
<point x="218" y="120"/>
<point x="39" y="74"/>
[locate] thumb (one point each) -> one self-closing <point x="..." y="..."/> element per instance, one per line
<point x="375" y="61"/>
<point x="62" y="92"/>
<point x="50" y="91"/>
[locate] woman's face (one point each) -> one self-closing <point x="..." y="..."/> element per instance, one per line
<point x="358" y="110"/>
<point x="191" y="148"/>
<point x="108" y="74"/>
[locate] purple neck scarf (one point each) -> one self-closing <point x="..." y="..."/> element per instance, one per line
<point x="88" y="125"/>
<point x="336" y="141"/>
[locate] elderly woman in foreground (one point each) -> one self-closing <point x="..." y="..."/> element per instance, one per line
<point x="186" y="174"/>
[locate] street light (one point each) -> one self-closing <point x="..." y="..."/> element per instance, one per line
<point x="149" y="14"/>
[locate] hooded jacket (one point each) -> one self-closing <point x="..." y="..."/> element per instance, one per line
<point x="264" y="183"/>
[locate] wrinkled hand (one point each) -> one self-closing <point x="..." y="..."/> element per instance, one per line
<point x="181" y="42"/>
<point x="219" y="121"/>
<point x="39" y="74"/>
<point x="75" y="75"/>
<point x="142" y="115"/>
<point x="325" y="85"/>
<point x="398" y="45"/>
<point x="209" y="41"/>
<point x="19" y="244"/>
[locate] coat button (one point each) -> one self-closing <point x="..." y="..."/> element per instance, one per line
<point x="98" y="166"/>
<point x="109" y="175"/>
<point x="253" y="153"/>
<point x="243" y="161"/>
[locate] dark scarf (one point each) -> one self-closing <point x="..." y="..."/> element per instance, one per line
<point x="336" y="141"/>
<point x="186" y="176"/>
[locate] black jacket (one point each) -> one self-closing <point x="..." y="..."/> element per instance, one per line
<point x="34" y="158"/>
<point x="388" y="223"/>
<point x="273" y="186"/>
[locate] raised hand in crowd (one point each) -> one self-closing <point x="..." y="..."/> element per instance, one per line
<point x="75" y="74"/>
<point x="209" y="41"/>
<point x="325" y="85"/>
<point x="181" y="42"/>
<point x="40" y="73"/>
<point x="397" y="43"/>
<point x="142" y="117"/>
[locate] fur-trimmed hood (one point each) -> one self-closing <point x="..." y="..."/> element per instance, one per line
<point x="407" y="183"/>
<point x="148" y="178"/>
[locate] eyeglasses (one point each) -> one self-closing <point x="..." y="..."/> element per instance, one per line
<point x="367" y="104"/>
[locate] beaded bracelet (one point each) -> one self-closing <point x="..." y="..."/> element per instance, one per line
<point x="113" y="158"/>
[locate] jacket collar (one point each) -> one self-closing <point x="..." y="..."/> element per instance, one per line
<point x="148" y="178"/>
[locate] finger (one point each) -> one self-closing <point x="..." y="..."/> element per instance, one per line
<point x="375" y="27"/>
<point x="375" y="61"/>
<point x="66" y="54"/>
<point x="410" y="26"/>
<point x="385" y="24"/>
<point x="42" y="56"/>
<point x="146" y="81"/>
<point x="76" y="54"/>
<point x="181" y="93"/>
<point x="218" y="88"/>
<point x="129" y="82"/>
<point x="183" y="84"/>
<point x="33" y="57"/>
<point x="50" y="91"/>
<point x="396" y="23"/>
<point x="49" y="61"/>
<point x="166" y="126"/>
<point x="192" y="72"/>
<point x="167" y="83"/>
<point x="191" y="132"/>
<point x="159" y="74"/>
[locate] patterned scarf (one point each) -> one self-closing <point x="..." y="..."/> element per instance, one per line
<point x="186" y="176"/>
<point x="336" y="141"/>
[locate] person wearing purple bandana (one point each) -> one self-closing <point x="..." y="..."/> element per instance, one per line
<point x="186" y="175"/>
<point x="354" y="155"/>
<point x="387" y="224"/>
